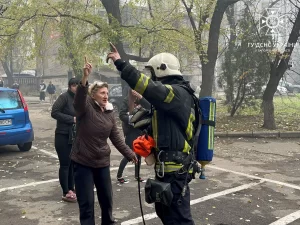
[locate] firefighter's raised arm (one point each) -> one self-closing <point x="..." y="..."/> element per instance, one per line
<point x="162" y="66"/>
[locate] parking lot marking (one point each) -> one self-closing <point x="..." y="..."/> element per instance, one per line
<point x="208" y="166"/>
<point x="50" y="181"/>
<point x="56" y="157"/>
<point x="287" y="219"/>
<point x="28" y="185"/>
<point x="46" y="152"/>
<point x="49" y="153"/>
<point x="196" y="201"/>
<point x="256" y="177"/>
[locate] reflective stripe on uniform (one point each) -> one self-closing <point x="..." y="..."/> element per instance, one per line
<point x="170" y="96"/>
<point x="190" y="127"/>
<point x="142" y="84"/>
<point x="211" y="129"/>
<point x="169" y="167"/>
<point x="187" y="147"/>
<point x="154" y="127"/>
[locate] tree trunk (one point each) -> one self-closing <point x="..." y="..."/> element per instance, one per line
<point x="278" y="68"/>
<point x="269" y="119"/>
<point x="112" y="8"/>
<point x="229" y="90"/>
<point x="208" y="71"/>
<point x="208" y="68"/>
<point x="8" y="72"/>
<point x="68" y="38"/>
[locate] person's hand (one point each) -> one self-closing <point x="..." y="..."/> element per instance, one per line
<point x="134" y="159"/>
<point x="136" y="94"/>
<point x="114" y="54"/>
<point x="87" y="69"/>
<point x="74" y="119"/>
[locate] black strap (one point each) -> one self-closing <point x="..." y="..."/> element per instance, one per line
<point x="172" y="156"/>
<point x="198" y="114"/>
<point x="209" y="123"/>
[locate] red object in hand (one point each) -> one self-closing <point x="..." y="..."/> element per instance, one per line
<point x="143" y="145"/>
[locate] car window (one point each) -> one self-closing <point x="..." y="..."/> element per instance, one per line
<point x="10" y="100"/>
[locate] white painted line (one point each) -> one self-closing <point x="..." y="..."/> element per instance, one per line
<point x="287" y="219"/>
<point x="49" y="181"/>
<point x="55" y="156"/>
<point x="127" y="166"/>
<point x="49" y="153"/>
<point x="28" y="185"/>
<point x="256" y="177"/>
<point x="225" y="192"/>
<point x="195" y="201"/>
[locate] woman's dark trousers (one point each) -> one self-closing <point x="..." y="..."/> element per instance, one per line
<point x="85" y="179"/>
<point x="123" y="164"/>
<point x="42" y="96"/>
<point x="63" y="149"/>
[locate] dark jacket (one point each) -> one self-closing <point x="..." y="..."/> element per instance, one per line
<point x="129" y="131"/>
<point x="63" y="111"/>
<point x="90" y="147"/>
<point x="173" y="120"/>
<point x="51" y="89"/>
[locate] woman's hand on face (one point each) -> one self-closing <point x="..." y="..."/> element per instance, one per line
<point x="87" y="69"/>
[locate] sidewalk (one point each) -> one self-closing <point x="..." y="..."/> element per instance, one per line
<point x="253" y="134"/>
<point x="259" y="134"/>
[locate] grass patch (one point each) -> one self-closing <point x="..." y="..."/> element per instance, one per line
<point x="287" y="116"/>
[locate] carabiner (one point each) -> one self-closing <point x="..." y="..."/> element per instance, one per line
<point x="163" y="170"/>
<point x="158" y="155"/>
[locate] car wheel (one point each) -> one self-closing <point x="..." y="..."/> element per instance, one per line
<point x="25" y="147"/>
<point x="296" y="90"/>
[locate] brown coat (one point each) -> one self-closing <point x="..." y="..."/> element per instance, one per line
<point x="95" y="127"/>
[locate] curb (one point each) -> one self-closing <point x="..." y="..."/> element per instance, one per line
<point x="253" y="134"/>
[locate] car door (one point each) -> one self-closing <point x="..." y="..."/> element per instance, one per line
<point x="12" y="115"/>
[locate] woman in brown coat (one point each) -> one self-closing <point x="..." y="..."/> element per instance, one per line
<point x="91" y="152"/>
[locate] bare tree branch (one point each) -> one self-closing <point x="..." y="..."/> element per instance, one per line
<point x="73" y="17"/>
<point x="189" y="12"/>
<point x="294" y="4"/>
<point x="150" y="9"/>
<point x="138" y="58"/>
<point x="91" y="34"/>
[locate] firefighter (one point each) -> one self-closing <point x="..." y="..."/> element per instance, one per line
<point x="172" y="127"/>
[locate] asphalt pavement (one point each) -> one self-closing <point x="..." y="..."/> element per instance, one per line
<point x="250" y="181"/>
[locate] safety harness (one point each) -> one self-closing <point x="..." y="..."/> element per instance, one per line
<point x="181" y="162"/>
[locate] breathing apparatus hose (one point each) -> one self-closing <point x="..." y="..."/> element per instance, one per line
<point x="139" y="189"/>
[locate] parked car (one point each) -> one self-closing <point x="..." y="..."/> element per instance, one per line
<point x="15" y="124"/>
<point x="292" y="88"/>
<point x="280" y="90"/>
<point x="115" y="96"/>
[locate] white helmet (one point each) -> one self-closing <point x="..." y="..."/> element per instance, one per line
<point x="164" y="64"/>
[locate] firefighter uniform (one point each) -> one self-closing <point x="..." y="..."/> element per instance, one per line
<point x="172" y="127"/>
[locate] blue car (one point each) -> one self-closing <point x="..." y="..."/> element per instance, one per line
<point x="15" y="125"/>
